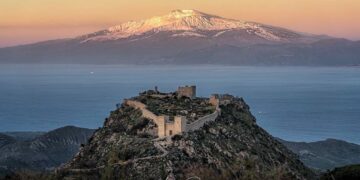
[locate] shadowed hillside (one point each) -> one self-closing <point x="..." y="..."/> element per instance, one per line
<point x="44" y="152"/>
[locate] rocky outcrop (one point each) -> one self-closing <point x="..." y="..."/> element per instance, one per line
<point x="231" y="147"/>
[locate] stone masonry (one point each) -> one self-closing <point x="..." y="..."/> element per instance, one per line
<point x="187" y="91"/>
<point x="165" y="127"/>
<point x="179" y="125"/>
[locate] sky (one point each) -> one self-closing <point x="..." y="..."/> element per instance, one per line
<point x="28" y="21"/>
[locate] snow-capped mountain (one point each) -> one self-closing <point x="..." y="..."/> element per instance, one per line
<point x="192" y="23"/>
<point x="190" y="37"/>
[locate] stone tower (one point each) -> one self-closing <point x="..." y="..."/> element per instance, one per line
<point x="187" y="91"/>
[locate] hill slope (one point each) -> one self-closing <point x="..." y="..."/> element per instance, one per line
<point x="350" y="172"/>
<point x="5" y="140"/>
<point x="231" y="147"/>
<point x="44" y="152"/>
<point x="326" y="154"/>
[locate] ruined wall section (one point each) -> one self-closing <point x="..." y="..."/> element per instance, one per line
<point x="202" y="121"/>
<point x="145" y="112"/>
<point x="166" y="128"/>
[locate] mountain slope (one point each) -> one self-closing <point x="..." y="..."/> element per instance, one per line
<point x="24" y="136"/>
<point x="45" y="151"/>
<point x="326" y="154"/>
<point x="231" y="147"/>
<point x="5" y="140"/>
<point x="334" y="52"/>
<point x="182" y="36"/>
<point x="350" y="172"/>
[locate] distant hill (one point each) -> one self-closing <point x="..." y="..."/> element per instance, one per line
<point x="320" y="155"/>
<point x="190" y="37"/>
<point x="351" y="172"/>
<point x="24" y="136"/>
<point x="43" y="152"/>
<point x="326" y="154"/>
<point x="5" y="140"/>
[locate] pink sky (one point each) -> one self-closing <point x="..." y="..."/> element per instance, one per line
<point x="37" y="20"/>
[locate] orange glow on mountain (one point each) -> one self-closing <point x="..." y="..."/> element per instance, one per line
<point x="35" y="20"/>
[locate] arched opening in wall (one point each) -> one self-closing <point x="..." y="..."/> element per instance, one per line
<point x="170" y="132"/>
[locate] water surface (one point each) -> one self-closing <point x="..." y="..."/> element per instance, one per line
<point x="293" y="103"/>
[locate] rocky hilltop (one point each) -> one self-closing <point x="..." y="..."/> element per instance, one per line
<point x="232" y="146"/>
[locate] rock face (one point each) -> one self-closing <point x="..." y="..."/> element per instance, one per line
<point x="44" y="152"/>
<point x="231" y="147"/>
<point x="328" y="154"/>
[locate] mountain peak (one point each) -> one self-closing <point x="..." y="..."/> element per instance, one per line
<point x="193" y="23"/>
<point x="180" y="13"/>
<point x="176" y="20"/>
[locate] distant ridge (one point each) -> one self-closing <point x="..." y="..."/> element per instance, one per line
<point x="326" y="154"/>
<point x="5" y="140"/>
<point x="44" y="152"/>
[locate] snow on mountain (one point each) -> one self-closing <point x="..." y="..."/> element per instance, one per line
<point x="191" y="23"/>
<point x="190" y="37"/>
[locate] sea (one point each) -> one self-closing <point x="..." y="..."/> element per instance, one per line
<point x="292" y="103"/>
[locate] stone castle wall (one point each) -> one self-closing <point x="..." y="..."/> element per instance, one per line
<point x="135" y="104"/>
<point x="162" y="125"/>
<point x="148" y="114"/>
<point x="161" y="95"/>
<point x="187" y="91"/>
<point x="214" y="100"/>
<point x="176" y="127"/>
<point x="202" y="121"/>
<point x="166" y="128"/>
<point x="145" y="112"/>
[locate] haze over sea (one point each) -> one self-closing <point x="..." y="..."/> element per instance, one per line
<point x="293" y="103"/>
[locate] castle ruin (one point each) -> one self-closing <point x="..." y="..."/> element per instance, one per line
<point x="220" y="99"/>
<point x="187" y="91"/>
<point x="180" y="123"/>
